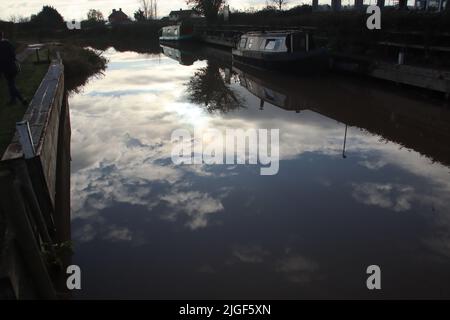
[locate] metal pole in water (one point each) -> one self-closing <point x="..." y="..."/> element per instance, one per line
<point x="401" y="57"/>
<point x="345" y="140"/>
<point x="307" y="42"/>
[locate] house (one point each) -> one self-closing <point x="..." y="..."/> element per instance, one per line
<point x="184" y="14"/>
<point x="118" y="16"/>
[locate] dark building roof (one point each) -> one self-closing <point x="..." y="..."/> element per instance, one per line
<point x="117" y="16"/>
<point x="183" y="13"/>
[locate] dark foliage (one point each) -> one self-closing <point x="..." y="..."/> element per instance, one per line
<point x="208" y="88"/>
<point x="48" y="18"/>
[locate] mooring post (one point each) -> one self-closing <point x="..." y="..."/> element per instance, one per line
<point x="401" y="57"/>
<point x="37" y="56"/>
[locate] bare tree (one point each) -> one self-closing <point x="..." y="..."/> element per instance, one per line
<point x="23" y="19"/>
<point x="279" y="3"/>
<point x="145" y="8"/>
<point x="150" y="9"/>
<point x="155" y="9"/>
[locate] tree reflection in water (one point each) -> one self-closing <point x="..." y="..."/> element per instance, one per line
<point x="208" y="88"/>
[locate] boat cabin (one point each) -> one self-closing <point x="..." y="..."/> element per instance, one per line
<point x="276" y="42"/>
<point x="176" y="32"/>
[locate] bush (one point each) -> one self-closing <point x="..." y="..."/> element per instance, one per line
<point x="79" y="65"/>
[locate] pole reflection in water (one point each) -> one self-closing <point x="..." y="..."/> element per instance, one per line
<point x="345" y="140"/>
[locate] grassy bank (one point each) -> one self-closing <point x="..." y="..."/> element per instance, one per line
<point x="79" y="65"/>
<point x="27" y="81"/>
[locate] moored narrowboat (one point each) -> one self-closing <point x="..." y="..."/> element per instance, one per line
<point x="286" y="50"/>
<point x="179" y="32"/>
<point x="175" y="51"/>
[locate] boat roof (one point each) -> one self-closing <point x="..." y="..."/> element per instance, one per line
<point x="273" y="33"/>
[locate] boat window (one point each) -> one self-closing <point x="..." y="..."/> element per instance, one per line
<point x="243" y="43"/>
<point x="270" y="44"/>
<point x="168" y="32"/>
<point x="251" y="41"/>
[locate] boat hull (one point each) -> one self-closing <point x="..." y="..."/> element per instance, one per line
<point x="176" y="38"/>
<point x="306" y="62"/>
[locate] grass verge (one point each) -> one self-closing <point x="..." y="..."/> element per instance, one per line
<point x="27" y="81"/>
<point x="80" y="64"/>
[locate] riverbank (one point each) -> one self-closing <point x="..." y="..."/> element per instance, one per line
<point x="35" y="187"/>
<point x="79" y="65"/>
<point x="27" y="82"/>
<point x="35" y="174"/>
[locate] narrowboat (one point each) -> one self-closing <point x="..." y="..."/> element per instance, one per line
<point x="285" y="50"/>
<point x="277" y="89"/>
<point x="179" y="32"/>
<point x="184" y="56"/>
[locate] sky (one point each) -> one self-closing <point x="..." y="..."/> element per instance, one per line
<point x="77" y="9"/>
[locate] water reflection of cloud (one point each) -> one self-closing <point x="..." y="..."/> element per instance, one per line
<point x="297" y="268"/>
<point x="197" y="206"/>
<point x="116" y="162"/>
<point x="250" y="254"/>
<point x="115" y="234"/>
<point x="121" y="148"/>
<point x="387" y="196"/>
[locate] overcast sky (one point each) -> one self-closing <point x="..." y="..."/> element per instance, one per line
<point x="77" y="9"/>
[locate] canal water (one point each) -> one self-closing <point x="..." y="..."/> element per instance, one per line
<point x="363" y="180"/>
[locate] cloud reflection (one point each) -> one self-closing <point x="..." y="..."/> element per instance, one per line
<point x="121" y="146"/>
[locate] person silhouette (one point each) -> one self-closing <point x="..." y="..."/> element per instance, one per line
<point x="10" y="69"/>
